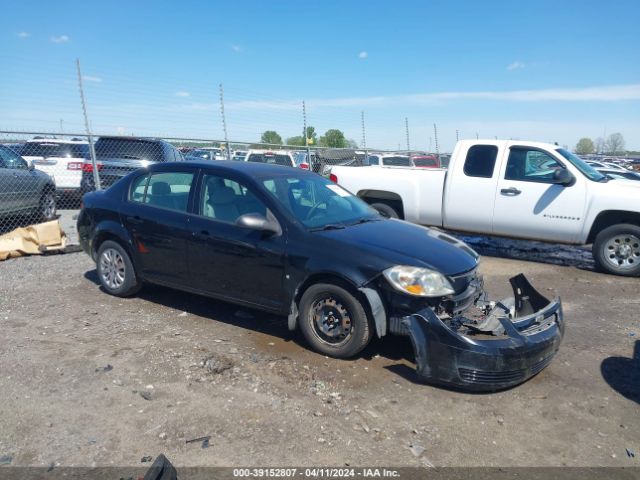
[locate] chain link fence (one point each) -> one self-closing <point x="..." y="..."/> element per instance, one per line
<point x="44" y="175"/>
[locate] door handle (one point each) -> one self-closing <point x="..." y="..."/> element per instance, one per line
<point x="201" y="235"/>
<point x="135" y="220"/>
<point x="511" y="191"/>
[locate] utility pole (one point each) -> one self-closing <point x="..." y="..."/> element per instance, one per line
<point x="477" y="137"/>
<point x="364" y="139"/>
<point x="87" y="126"/>
<point x="435" y="135"/>
<point x="224" y="123"/>
<point x="304" y="135"/>
<point x="406" y="127"/>
<point x="457" y="136"/>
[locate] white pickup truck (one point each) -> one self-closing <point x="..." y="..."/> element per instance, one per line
<point x="513" y="189"/>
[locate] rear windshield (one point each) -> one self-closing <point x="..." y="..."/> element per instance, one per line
<point x="125" y="149"/>
<point x="425" y="162"/>
<point x="396" y="161"/>
<point x="270" y="158"/>
<point x="59" y="150"/>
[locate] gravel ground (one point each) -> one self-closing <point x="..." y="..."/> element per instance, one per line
<point x="88" y="379"/>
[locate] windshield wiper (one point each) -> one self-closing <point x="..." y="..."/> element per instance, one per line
<point x="365" y="220"/>
<point x="328" y="226"/>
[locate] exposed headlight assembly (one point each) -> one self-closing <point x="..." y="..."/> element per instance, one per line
<point x="419" y="282"/>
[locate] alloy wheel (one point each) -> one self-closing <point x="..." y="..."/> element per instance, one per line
<point x="112" y="268"/>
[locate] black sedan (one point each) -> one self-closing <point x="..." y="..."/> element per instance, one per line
<point x="290" y="242"/>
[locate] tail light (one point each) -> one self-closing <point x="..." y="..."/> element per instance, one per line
<point x="333" y="178"/>
<point x="88" y="167"/>
<point x="75" y="166"/>
<point x="304" y="166"/>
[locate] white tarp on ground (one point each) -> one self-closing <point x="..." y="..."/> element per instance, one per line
<point x="32" y="240"/>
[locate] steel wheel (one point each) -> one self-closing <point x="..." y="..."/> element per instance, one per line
<point x="331" y="321"/>
<point x="112" y="268"/>
<point x="622" y="251"/>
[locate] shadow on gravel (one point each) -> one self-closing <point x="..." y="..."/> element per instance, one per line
<point x="528" y="250"/>
<point x="215" y="310"/>
<point x="623" y="374"/>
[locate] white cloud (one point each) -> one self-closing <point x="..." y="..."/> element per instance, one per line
<point x="61" y="39"/>
<point x="236" y="48"/>
<point x="182" y="93"/>
<point x="362" y="55"/>
<point x="515" y="65"/>
<point x="24" y="34"/>
<point x="609" y="93"/>
<point x="91" y="78"/>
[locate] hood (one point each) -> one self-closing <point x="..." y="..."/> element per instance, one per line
<point x="398" y="242"/>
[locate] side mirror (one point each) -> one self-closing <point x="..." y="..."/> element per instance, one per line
<point x="562" y="176"/>
<point x="31" y="166"/>
<point x="255" y="221"/>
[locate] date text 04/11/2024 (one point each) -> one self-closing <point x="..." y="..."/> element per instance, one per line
<point x="317" y="472"/>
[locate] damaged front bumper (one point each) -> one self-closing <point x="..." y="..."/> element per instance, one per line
<point x="514" y="340"/>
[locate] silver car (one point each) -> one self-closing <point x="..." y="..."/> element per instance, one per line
<point x="24" y="190"/>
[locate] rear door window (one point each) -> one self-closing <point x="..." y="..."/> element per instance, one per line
<point x="481" y="161"/>
<point x="165" y="190"/>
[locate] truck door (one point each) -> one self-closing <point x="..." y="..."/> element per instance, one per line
<point x="470" y="189"/>
<point x="530" y="205"/>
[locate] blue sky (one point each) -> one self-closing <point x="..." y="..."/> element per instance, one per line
<point x="540" y="70"/>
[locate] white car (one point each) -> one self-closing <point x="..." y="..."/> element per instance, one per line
<point x="275" y="157"/>
<point x="606" y="165"/>
<point x="516" y="189"/>
<point x="61" y="159"/>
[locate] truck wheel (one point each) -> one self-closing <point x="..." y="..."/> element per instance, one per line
<point x="617" y="250"/>
<point x="385" y="210"/>
<point x="115" y="270"/>
<point x="333" y="321"/>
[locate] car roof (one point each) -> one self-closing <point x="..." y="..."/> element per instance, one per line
<point x="249" y="169"/>
<point x="56" y="140"/>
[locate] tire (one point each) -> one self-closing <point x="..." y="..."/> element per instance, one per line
<point x="616" y="250"/>
<point x="48" y="205"/>
<point x="115" y="270"/>
<point x="344" y="310"/>
<point x="386" y="210"/>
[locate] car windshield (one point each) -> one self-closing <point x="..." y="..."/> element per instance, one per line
<point x="318" y="203"/>
<point x="586" y="169"/>
<point x="206" y="154"/>
<point x="52" y="149"/>
<point x="396" y="161"/>
<point x="272" y="158"/>
<point x="126" y="149"/>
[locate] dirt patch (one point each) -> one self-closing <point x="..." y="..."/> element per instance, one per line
<point x="89" y="379"/>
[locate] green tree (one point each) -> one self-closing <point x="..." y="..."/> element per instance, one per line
<point x="333" y="138"/>
<point x="296" y="141"/>
<point x="312" y="136"/>
<point x="271" y="136"/>
<point x="615" y="144"/>
<point x="585" y="146"/>
<point x="352" y="143"/>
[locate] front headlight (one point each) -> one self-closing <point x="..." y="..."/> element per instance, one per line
<point x="420" y="282"/>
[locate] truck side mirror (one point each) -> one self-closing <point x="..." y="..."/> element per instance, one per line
<point x="564" y="177"/>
